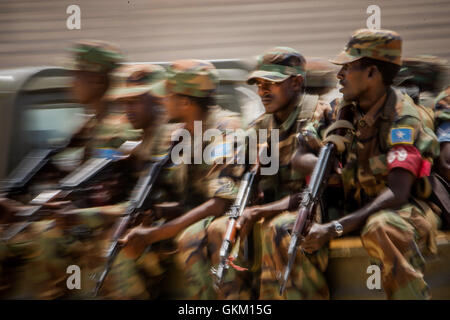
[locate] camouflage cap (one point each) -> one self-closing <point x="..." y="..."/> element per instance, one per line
<point x="135" y="80"/>
<point x="94" y="56"/>
<point x="196" y="78"/>
<point x="424" y="71"/>
<point x="384" y="45"/>
<point x="321" y="73"/>
<point x="278" y="64"/>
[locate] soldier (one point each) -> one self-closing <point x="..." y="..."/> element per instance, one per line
<point x="391" y="151"/>
<point x="91" y="67"/>
<point x="441" y="170"/>
<point x="442" y="125"/>
<point x="280" y="77"/>
<point x="190" y="89"/>
<point x="36" y="257"/>
<point x="136" y="90"/>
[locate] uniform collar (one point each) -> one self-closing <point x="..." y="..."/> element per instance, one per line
<point x="374" y="113"/>
<point x="291" y="119"/>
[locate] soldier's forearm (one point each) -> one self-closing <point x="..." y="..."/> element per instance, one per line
<point x="212" y="207"/>
<point x="396" y="195"/>
<point x="269" y="210"/>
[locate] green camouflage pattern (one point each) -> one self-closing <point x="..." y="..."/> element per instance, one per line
<point x="109" y="131"/>
<point x="287" y="180"/>
<point x="393" y="239"/>
<point x="425" y="72"/>
<point x="96" y="134"/>
<point x="320" y="73"/>
<point x="135" y="80"/>
<point x="442" y="116"/>
<point x="260" y="280"/>
<point x="197" y="78"/>
<point x="278" y="64"/>
<point x="128" y="278"/>
<point x="307" y="280"/>
<point x="94" y="56"/>
<point x="365" y="173"/>
<point x="203" y="182"/>
<point x="384" y="45"/>
<point x="32" y="264"/>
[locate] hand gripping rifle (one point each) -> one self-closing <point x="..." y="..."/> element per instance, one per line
<point x="234" y="213"/>
<point x="319" y="179"/>
<point x="137" y="205"/>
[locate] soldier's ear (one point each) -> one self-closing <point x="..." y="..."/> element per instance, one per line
<point x="372" y="71"/>
<point x="297" y="81"/>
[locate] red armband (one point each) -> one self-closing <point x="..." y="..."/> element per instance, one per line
<point x="408" y="158"/>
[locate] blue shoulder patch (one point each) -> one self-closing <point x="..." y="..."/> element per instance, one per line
<point x="221" y="151"/>
<point x="106" y="153"/>
<point x="402" y="135"/>
<point x="443" y="132"/>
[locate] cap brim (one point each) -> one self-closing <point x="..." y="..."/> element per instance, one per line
<point x="124" y="93"/>
<point x="344" y="58"/>
<point x="266" y="75"/>
<point x="158" y="90"/>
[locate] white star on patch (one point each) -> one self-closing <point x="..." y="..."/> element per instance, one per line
<point x="400" y="134"/>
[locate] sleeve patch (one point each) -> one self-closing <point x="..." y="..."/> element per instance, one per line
<point x="443" y="132"/>
<point x="224" y="150"/>
<point x="408" y="158"/>
<point x="403" y="135"/>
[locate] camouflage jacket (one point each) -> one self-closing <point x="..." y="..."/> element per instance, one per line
<point x="365" y="170"/>
<point x="110" y="131"/>
<point x="442" y="116"/>
<point x="197" y="182"/>
<point x="286" y="180"/>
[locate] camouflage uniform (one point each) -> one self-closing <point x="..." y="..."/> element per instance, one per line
<point x="260" y="281"/>
<point x="36" y="259"/>
<point x="200" y="181"/>
<point x="442" y="115"/>
<point x="128" y="278"/>
<point x="388" y="136"/>
<point x="111" y="128"/>
<point x="440" y="176"/>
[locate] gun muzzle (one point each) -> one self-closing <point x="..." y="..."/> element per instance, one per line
<point x="292" y="252"/>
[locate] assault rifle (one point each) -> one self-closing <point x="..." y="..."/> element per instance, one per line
<point x="138" y="204"/>
<point x="76" y="181"/>
<point x="319" y="179"/>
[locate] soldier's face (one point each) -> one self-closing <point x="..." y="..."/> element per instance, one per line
<point x="353" y="79"/>
<point x="138" y="111"/>
<point x="174" y="105"/>
<point x="275" y="96"/>
<point x="88" y="86"/>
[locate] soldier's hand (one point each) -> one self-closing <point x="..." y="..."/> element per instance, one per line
<point x="322" y="111"/>
<point x="318" y="236"/>
<point x="136" y="240"/>
<point x="247" y="220"/>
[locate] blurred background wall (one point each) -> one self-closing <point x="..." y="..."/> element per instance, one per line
<point x="34" y="32"/>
